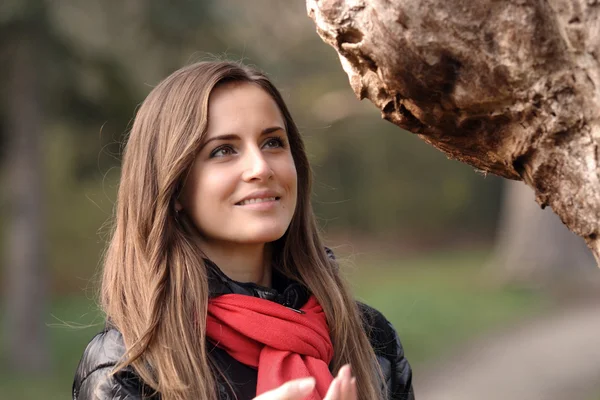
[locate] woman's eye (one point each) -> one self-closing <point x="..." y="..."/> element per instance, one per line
<point x="221" y="151"/>
<point x="274" y="142"/>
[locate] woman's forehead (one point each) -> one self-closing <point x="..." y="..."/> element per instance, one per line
<point x="243" y="105"/>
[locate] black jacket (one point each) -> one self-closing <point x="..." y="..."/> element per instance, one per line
<point x="92" y="380"/>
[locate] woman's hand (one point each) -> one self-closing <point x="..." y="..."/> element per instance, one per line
<point x="297" y="389"/>
<point x="343" y="386"/>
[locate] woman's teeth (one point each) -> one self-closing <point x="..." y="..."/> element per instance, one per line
<point x="252" y="201"/>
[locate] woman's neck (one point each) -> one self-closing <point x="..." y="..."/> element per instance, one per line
<point x="242" y="263"/>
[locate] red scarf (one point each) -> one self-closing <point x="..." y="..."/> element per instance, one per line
<point x="281" y="343"/>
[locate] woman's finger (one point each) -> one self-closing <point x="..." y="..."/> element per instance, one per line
<point x="345" y="377"/>
<point x="350" y="392"/>
<point x="343" y="386"/>
<point x="353" y="391"/>
<point x="334" y="390"/>
<point x="297" y="389"/>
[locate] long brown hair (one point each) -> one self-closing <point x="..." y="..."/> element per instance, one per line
<point x="155" y="287"/>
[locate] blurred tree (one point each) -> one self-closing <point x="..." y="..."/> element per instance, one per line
<point x="374" y="182"/>
<point x="534" y="248"/>
<point x="26" y="272"/>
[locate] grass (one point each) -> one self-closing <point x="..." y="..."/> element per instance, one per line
<point x="435" y="302"/>
<point x="440" y="301"/>
<point x="66" y="344"/>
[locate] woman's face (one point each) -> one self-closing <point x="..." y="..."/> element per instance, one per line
<point x="242" y="188"/>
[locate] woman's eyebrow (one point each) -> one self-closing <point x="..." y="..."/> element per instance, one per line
<point x="233" y="136"/>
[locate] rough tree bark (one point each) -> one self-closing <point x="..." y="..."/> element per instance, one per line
<point x="510" y="87"/>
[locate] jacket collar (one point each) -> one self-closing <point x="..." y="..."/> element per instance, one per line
<point x="285" y="291"/>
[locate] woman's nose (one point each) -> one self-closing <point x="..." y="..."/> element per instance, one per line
<point x="256" y="166"/>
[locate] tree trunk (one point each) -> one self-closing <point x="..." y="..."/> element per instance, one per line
<point x="510" y="87"/>
<point x="26" y="282"/>
<point x="534" y="248"/>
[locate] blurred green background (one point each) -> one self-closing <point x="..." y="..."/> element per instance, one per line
<point x="445" y="252"/>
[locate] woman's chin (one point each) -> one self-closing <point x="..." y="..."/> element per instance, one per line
<point x="263" y="236"/>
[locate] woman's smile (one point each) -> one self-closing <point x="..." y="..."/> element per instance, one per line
<point x="252" y="201"/>
<point x="260" y="200"/>
<point x="259" y="204"/>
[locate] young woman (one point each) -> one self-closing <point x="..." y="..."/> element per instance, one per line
<point x="216" y="282"/>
